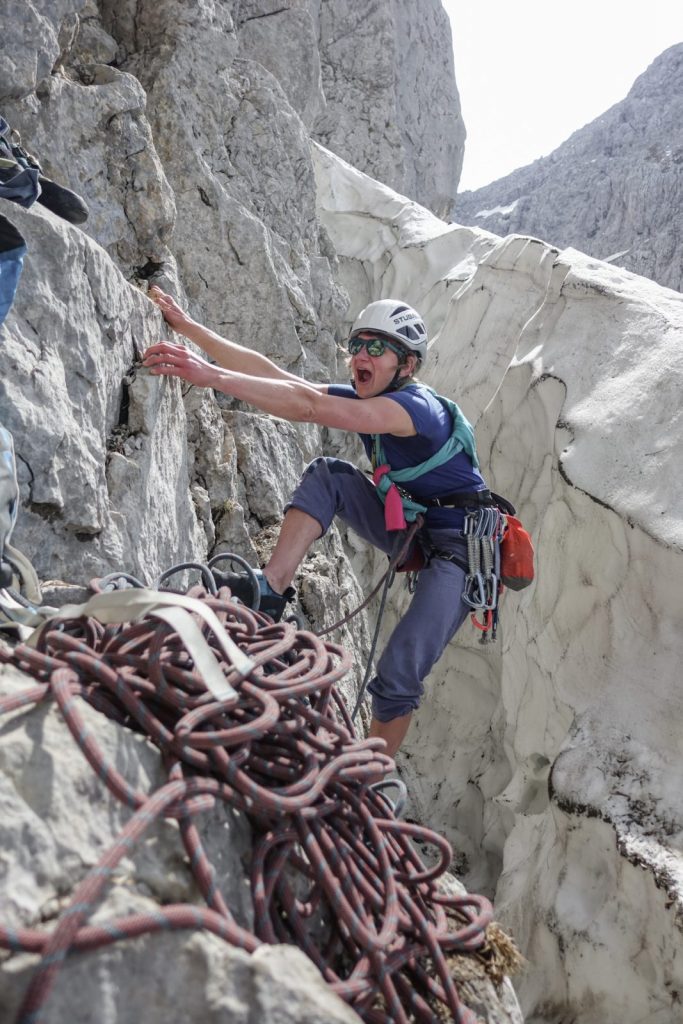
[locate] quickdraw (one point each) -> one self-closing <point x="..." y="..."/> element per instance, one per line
<point x="483" y="529"/>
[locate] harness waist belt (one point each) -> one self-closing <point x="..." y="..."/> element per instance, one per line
<point x="461" y="499"/>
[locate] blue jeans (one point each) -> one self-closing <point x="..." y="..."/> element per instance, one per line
<point x="332" y="487"/>
<point x="12" y="252"/>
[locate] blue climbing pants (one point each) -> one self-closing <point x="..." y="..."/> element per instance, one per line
<point x="332" y="487"/>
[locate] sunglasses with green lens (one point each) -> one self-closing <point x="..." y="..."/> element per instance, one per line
<point x="374" y="346"/>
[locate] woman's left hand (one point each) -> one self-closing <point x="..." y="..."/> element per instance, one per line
<point x="178" y="361"/>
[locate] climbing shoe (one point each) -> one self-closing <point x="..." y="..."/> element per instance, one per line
<point x="62" y="201"/>
<point x="244" y="585"/>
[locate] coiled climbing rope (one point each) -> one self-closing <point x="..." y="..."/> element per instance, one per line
<point x="333" y="870"/>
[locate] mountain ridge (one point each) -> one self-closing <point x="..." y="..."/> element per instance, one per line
<point x="611" y="189"/>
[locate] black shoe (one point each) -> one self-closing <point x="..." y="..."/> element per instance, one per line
<point x="243" y="587"/>
<point x="62" y="201"/>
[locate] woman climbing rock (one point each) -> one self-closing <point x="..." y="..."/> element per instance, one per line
<point x="413" y="435"/>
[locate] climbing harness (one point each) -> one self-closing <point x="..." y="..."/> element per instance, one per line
<point x="482" y="523"/>
<point x="499" y="548"/>
<point x="263" y="730"/>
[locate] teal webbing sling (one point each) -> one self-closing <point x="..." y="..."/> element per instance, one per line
<point x="461" y="439"/>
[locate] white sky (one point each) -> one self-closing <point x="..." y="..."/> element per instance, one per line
<point x="530" y="72"/>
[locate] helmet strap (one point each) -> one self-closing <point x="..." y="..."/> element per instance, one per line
<point x="398" y="381"/>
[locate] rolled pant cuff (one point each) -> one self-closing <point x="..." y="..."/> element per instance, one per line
<point x="301" y="507"/>
<point x="385" y="710"/>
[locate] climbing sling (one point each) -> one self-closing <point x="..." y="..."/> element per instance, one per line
<point x="398" y="505"/>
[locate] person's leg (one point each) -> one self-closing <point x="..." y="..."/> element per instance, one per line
<point x="392" y="732"/>
<point x="297" y="533"/>
<point x="328" y="488"/>
<point x="418" y="641"/>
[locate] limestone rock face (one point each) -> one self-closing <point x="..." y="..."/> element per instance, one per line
<point x="32" y="36"/>
<point x="614" y="189"/>
<point x="208" y="980"/>
<point x="393" y="109"/>
<point x="95" y="486"/>
<point x="284" y="38"/>
<point x="552" y="759"/>
<point x="549" y="760"/>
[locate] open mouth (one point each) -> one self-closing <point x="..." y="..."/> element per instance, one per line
<point x="363" y="376"/>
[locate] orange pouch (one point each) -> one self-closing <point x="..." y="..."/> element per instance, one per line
<point x="516" y="556"/>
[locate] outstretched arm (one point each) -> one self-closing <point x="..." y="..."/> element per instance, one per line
<point x="291" y="398"/>
<point x="227" y="354"/>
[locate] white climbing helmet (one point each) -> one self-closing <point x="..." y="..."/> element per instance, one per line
<point x="397" y="320"/>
